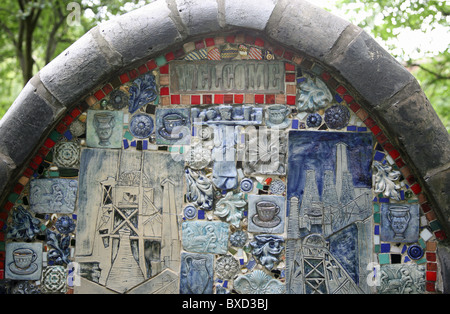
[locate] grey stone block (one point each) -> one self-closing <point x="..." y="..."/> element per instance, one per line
<point x="78" y="70"/>
<point x="252" y="14"/>
<point x="371" y="70"/>
<point x="24" y="125"/>
<point x="6" y="169"/>
<point x="141" y="33"/>
<point x="414" y="124"/>
<point x="199" y="16"/>
<point x="439" y="186"/>
<point x="306" y="27"/>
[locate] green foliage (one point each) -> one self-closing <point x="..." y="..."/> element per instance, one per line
<point x="386" y="20"/>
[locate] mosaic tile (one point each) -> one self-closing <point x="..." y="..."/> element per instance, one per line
<point x="104" y="128"/>
<point x="23" y="261"/>
<point x="196" y="273"/>
<point x="205" y="236"/>
<point x="53" y="195"/>
<point x="400" y="223"/>
<point x="266" y="213"/>
<point x="173" y="126"/>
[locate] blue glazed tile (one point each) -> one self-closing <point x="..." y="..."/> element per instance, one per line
<point x="378" y="156"/>
<point x="377" y="229"/>
<point x="402" y="195"/>
<point x="196" y="275"/>
<point x="125" y="144"/>
<point x="338" y="98"/>
<point x="351" y="128"/>
<point x="385" y="247"/>
<point x="362" y="129"/>
<point x="133" y="144"/>
<point x="384" y="200"/>
<point x="201" y="214"/>
<point x="68" y="135"/>
<point x="295" y="124"/>
<point x="145" y="145"/>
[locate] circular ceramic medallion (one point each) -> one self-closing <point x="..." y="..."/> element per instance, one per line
<point x="415" y="252"/>
<point x="313" y="120"/>
<point x="337" y="117"/>
<point x="65" y="225"/>
<point x="77" y="128"/>
<point x="141" y="126"/>
<point x="118" y="99"/>
<point x="246" y="185"/>
<point x="190" y="212"/>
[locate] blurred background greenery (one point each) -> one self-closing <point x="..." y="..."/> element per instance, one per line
<point x="415" y="32"/>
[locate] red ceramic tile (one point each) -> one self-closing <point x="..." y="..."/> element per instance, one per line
<point x="369" y="122"/>
<point x="288" y="55"/>
<point x="18" y="188"/>
<point x="431" y="256"/>
<point x="133" y="74"/>
<point x="151" y="65"/>
<point x="68" y="119"/>
<point x="416" y="188"/>
<point x="207" y="99"/>
<point x="8" y="206"/>
<point x="4" y="216"/>
<point x="290" y="77"/>
<point x="425" y="207"/>
<point x="291" y="100"/>
<point x="326" y="76"/>
<point x="143" y="69"/>
<point x="169" y="56"/>
<point x="270" y="99"/>
<point x="164" y="69"/>
<point x="440" y="235"/>
<point x="209" y="42"/>
<point x="175" y="99"/>
<point x="400" y="163"/>
<point x="431" y="275"/>
<point x="238" y="98"/>
<point x="259" y="42"/>
<point x="61" y="128"/>
<point x="199" y="44"/>
<point x="381" y="138"/>
<point x="375" y="129"/>
<point x="259" y="99"/>
<point x="164" y="91"/>
<point x="28" y="172"/>
<point x="289" y="67"/>
<point x="218" y="99"/>
<point x="411" y="179"/>
<point x="341" y="90"/>
<point x="2" y="274"/>
<point x="195" y="100"/>
<point x="348" y="99"/>
<point x="388" y="146"/>
<point x="432" y="266"/>
<point x="75" y="113"/>
<point x="2" y="224"/>
<point x="2" y="255"/>
<point x="99" y="95"/>
<point x="355" y="107"/>
<point x="108" y="89"/>
<point x="430" y="286"/>
<point x="228" y="99"/>
<point x="394" y="154"/>
<point x="179" y="53"/>
<point x="124" y="78"/>
<point x="230" y="39"/>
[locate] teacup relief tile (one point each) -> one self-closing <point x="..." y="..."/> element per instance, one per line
<point x="173" y="126"/>
<point x="23" y="261"/>
<point x="266" y="213"/>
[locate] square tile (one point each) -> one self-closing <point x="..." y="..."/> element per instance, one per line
<point x="399" y="223"/>
<point x="104" y="129"/>
<point x="173" y="126"/>
<point x="266" y="213"/>
<point x="23" y="261"/>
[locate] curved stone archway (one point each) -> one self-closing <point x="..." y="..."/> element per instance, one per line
<point x="383" y="94"/>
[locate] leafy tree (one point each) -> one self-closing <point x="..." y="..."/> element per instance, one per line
<point x="33" y="32"/>
<point x="388" y="20"/>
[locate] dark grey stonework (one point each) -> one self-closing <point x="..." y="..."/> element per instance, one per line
<point x="379" y="83"/>
<point x="443" y="253"/>
<point x="21" y="129"/>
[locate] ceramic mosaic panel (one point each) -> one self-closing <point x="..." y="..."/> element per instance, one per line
<point x="162" y="213"/>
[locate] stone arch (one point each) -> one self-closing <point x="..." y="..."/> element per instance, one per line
<point x="377" y="88"/>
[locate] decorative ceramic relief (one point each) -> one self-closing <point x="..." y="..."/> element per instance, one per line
<point x="228" y="115"/>
<point x="199" y="189"/>
<point x="277" y="116"/>
<point x="23" y="261"/>
<point x="267" y="151"/>
<point x="65" y="225"/>
<point x="226" y="267"/>
<point x="132" y="238"/>
<point x="205" y="236"/>
<point x="402" y="279"/>
<point x="399" y="223"/>
<point x="173" y="126"/>
<point x="53" y="195"/>
<point x="313" y="95"/>
<point x="60" y="251"/>
<point x="23" y="225"/>
<point x="337" y="117"/>
<point x="196" y="274"/>
<point x="141" y="126"/>
<point x="267" y="249"/>
<point x="266" y="213"/>
<point x="384" y="181"/>
<point x="54" y="279"/>
<point x="67" y="154"/>
<point x="142" y="92"/>
<point x="238" y="238"/>
<point x="258" y="282"/>
<point x="104" y="129"/>
<point x="231" y="208"/>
